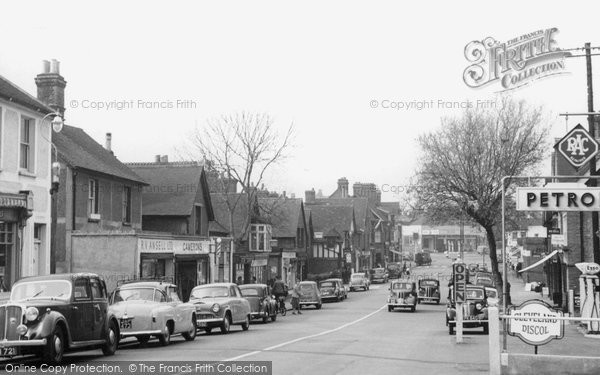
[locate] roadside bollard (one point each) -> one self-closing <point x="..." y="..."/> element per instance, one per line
<point x="494" y="340"/>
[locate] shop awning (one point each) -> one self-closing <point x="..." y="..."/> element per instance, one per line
<point x="541" y="261"/>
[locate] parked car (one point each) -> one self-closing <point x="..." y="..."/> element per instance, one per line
<point x="403" y="294"/>
<point x="394" y="270"/>
<point x="422" y="259"/>
<point x="262" y="304"/>
<point x="152" y="309"/>
<point x="429" y="291"/>
<point x="50" y="315"/>
<point x="378" y="275"/>
<point x="220" y="305"/>
<point x="359" y="281"/>
<point x="475" y="311"/>
<point x="332" y="289"/>
<point x="452" y="255"/>
<point x="484" y="279"/>
<point x="345" y="288"/>
<point x="492" y="296"/>
<point x="309" y="294"/>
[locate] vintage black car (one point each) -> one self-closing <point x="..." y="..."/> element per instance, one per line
<point x="429" y="291"/>
<point x="422" y="259"/>
<point x="332" y="289"/>
<point x="402" y="295"/>
<point x="262" y="304"/>
<point x="378" y="275"/>
<point x="475" y="310"/>
<point x="49" y="315"/>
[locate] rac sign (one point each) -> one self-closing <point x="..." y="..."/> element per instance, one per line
<point x="578" y="146"/>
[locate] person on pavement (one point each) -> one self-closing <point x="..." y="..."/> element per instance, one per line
<point x="296" y="299"/>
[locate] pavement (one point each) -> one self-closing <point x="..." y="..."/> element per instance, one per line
<point x="573" y="343"/>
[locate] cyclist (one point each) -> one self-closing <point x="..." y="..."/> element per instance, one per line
<point x="280" y="291"/>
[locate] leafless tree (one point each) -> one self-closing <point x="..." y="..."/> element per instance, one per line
<point x="239" y="149"/>
<point x="462" y="163"/>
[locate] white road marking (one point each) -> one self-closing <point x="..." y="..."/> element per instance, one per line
<point x="307" y="337"/>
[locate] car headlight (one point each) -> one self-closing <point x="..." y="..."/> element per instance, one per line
<point x="215" y="308"/>
<point x="479" y="306"/>
<point x="21" y="329"/>
<point x="31" y="313"/>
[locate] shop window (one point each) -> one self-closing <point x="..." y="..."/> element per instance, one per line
<point x="126" y="204"/>
<point x="93" y="197"/>
<point x="153" y="268"/>
<point x="27" y="144"/>
<point x="260" y="237"/>
<point x="377" y="236"/>
<point x="6" y="249"/>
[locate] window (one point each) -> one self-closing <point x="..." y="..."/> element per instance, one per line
<point x="260" y="237"/>
<point x="97" y="290"/>
<point x="173" y="294"/>
<point x="26" y="151"/>
<point x="300" y="237"/>
<point x="80" y="290"/>
<point x="198" y="228"/>
<point x="93" y="197"/>
<point x="127" y="204"/>
<point x="377" y="236"/>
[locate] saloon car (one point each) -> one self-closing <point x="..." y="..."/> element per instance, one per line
<point x="484" y="279"/>
<point x="50" y="315"/>
<point x="402" y="295"/>
<point x="379" y="275"/>
<point x="262" y="304"/>
<point x="345" y="288"/>
<point x="423" y="259"/>
<point x="220" y="305"/>
<point x="148" y="309"/>
<point x="332" y="290"/>
<point x="359" y="281"/>
<point x="429" y="291"/>
<point x="475" y="311"/>
<point x="309" y="294"/>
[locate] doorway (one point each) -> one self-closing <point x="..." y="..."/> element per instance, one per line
<point x="187" y="273"/>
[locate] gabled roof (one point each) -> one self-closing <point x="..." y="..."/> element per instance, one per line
<point x="331" y="220"/>
<point x="391" y="207"/>
<point x="13" y="93"/>
<point x="173" y="188"/>
<point x="80" y="150"/>
<point x="221" y="211"/>
<point x="360" y="205"/>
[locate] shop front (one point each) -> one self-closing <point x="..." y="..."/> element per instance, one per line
<point x="185" y="262"/>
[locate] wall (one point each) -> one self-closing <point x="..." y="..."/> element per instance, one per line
<point x="166" y="224"/>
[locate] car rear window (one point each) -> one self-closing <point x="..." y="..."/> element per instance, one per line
<point x="306" y="287"/>
<point x="248" y="292"/>
<point x="327" y="284"/>
<point x="428" y="283"/>
<point x="358" y="276"/>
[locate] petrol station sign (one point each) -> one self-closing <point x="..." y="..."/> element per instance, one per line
<point x="556" y="198"/>
<point x="578" y="146"/>
<point x="535" y="322"/>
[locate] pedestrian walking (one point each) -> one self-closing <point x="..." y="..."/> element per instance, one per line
<point x="518" y="268"/>
<point x="296" y="299"/>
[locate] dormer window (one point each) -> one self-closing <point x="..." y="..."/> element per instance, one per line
<point x="260" y="237"/>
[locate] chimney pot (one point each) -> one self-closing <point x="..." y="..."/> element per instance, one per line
<point x="45" y="66"/>
<point x="51" y="86"/>
<point x="54" y="66"/>
<point x="309" y="196"/>
<point x="108" y="144"/>
<point x="164" y="159"/>
<point x="157" y="158"/>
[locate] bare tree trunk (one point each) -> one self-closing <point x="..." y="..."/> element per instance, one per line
<point x="494" y="260"/>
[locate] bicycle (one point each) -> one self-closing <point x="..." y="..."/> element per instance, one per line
<point x="281" y="308"/>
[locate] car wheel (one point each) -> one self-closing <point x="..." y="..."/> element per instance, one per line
<point x="486" y="329"/>
<point x="55" y="348"/>
<point x="246" y="323"/>
<point x="112" y="340"/>
<point x="208" y="330"/>
<point x="450" y="328"/>
<point x="226" y="325"/>
<point x="265" y="319"/>
<point x="273" y="317"/>
<point x="191" y="334"/>
<point x="318" y="306"/>
<point x="143" y="340"/>
<point x="352" y="289"/>
<point x="390" y="308"/>
<point x="412" y="309"/>
<point x="165" y="337"/>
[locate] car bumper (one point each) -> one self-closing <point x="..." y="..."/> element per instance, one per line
<point x="22" y="343"/>
<point x="331" y="296"/>
<point x="213" y="322"/>
<point x="400" y="305"/>
<point x="149" y="332"/>
<point x="259" y="315"/>
<point x="301" y="303"/>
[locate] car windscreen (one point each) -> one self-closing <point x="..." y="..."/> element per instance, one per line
<point x="492" y="293"/>
<point x="210" y="292"/>
<point x="428" y="283"/>
<point x="379" y="271"/>
<point x="327" y="284"/>
<point x="406" y="286"/>
<point x="358" y="276"/>
<point x="475" y="294"/>
<point x="133" y="294"/>
<point x="306" y="287"/>
<point x="251" y="292"/>
<point x="60" y="289"/>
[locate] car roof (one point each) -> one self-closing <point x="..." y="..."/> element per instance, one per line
<point x="249" y="286"/>
<point x="307" y="282"/>
<point x="332" y="279"/>
<point x="146" y="284"/>
<point x="214" y="284"/>
<point x="59" y="276"/>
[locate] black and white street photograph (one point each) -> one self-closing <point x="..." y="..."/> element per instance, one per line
<point x="283" y="187"/>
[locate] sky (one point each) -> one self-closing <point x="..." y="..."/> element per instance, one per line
<point x="319" y="65"/>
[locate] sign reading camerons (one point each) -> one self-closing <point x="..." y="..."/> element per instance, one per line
<point x="558" y="199"/>
<point x="578" y="146"/>
<point x="177" y="247"/>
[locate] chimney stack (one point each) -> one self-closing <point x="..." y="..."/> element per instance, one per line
<point x="164" y="158"/>
<point x="309" y="196"/>
<point x="343" y="186"/>
<point x="108" y="144"/>
<point x="51" y="86"/>
<point x="157" y="159"/>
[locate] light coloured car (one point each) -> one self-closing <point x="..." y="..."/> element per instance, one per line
<point x="492" y="296"/>
<point x="152" y="308"/>
<point x="359" y="281"/>
<point x="309" y="294"/>
<point x="220" y="305"/>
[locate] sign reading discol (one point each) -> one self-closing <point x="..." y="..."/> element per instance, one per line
<point x="578" y="146"/>
<point x="535" y="322"/>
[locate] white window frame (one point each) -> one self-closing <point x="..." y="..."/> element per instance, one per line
<point x="93" y="199"/>
<point x="126" y="204"/>
<point x="256" y="231"/>
<point x="30" y="156"/>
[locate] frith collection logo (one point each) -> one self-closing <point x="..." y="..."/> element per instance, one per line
<point x="578" y="146"/>
<point x="515" y="63"/>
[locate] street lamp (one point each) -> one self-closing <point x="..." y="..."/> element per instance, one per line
<point x="57" y="125"/>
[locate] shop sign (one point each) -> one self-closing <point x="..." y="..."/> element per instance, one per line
<point x="177" y="247"/>
<point x="578" y="146"/>
<point x="588" y="268"/>
<point x="558" y="199"/>
<point x="288" y="255"/>
<point x="535" y="322"/>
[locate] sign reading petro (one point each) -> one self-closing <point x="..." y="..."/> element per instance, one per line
<point x="535" y="322"/>
<point x="558" y="199"/>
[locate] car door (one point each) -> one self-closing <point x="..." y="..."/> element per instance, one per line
<point x="234" y="303"/>
<point x="175" y="303"/>
<point x="82" y="324"/>
<point x="242" y="303"/>
<point x="99" y="306"/>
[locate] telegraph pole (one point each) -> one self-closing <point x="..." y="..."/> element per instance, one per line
<point x="592" y="131"/>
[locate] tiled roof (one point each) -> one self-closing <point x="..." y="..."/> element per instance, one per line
<point x="13" y="93"/>
<point x="173" y="188"/>
<point x="221" y="210"/>
<point x="331" y="220"/>
<point x="80" y="150"/>
<point x="360" y="205"/>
